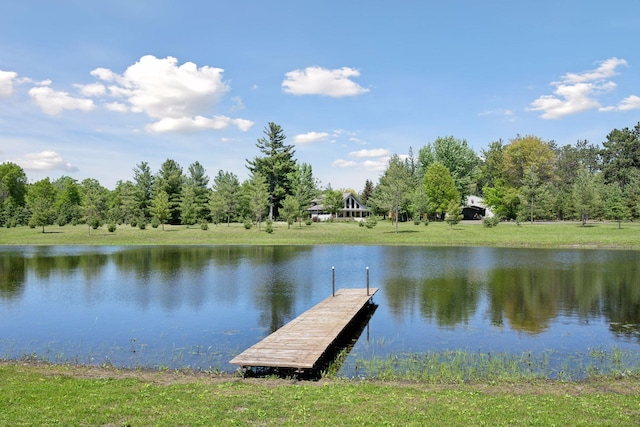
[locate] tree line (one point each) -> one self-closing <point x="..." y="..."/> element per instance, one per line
<point x="526" y="178"/>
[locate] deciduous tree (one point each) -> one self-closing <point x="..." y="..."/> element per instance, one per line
<point x="394" y="189"/>
<point x="40" y="198"/>
<point x="440" y="188"/>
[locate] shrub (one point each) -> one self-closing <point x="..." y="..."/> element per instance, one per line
<point x="155" y="222"/>
<point x="95" y="223"/>
<point x="426" y="221"/>
<point x="248" y="224"/>
<point x="416" y="220"/>
<point x="308" y="221"/>
<point x="204" y="226"/>
<point x="490" y="222"/>
<point x="370" y="222"/>
<point x="269" y="227"/>
<point x="112" y="227"/>
<point x="142" y="225"/>
<point x="134" y="222"/>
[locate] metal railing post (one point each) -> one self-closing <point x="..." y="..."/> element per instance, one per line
<point x="367" y="281"/>
<point x="333" y="281"/>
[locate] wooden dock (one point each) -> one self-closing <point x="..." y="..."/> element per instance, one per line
<point x="301" y="343"/>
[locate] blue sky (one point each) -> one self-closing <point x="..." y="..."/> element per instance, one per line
<point x="93" y="88"/>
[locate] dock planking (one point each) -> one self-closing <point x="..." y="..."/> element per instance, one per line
<point x="302" y="342"/>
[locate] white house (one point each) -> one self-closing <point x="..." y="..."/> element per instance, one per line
<point x="351" y="208"/>
<point x="474" y="208"/>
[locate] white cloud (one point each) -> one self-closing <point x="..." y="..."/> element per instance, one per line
<point x="577" y="92"/>
<point x="310" y="137"/>
<point x="93" y="89"/>
<point x="630" y="103"/>
<point x="198" y="123"/>
<point x="376" y="165"/>
<point x="376" y="152"/>
<point x="606" y="70"/>
<point x="55" y="102"/>
<point x="47" y="160"/>
<point x="6" y="82"/>
<point x="177" y="96"/>
<point x="104" y="74"/>
<point x="117" y="107"/>
<point x="336" y="83"/>
<point x="341" y="163"/>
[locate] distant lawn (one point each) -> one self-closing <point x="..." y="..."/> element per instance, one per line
<point x="468" y="233"/>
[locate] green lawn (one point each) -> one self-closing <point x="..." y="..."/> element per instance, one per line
<point x="554" y="234"/>
<point x="69" y="395"/>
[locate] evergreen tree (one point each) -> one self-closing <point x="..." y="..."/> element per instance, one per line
<point x="94" y="202"/>
<point x="616" y="208"/>
<point x="225" y="196"/>
<point x="144" y="182"/>
<point x="454" y="213"/>
<point x="367" y="191"/>
<point x="198" y="183"/>
<point x="276" y="165"/>
<point x="170" y="180"/>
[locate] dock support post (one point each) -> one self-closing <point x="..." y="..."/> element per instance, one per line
<point x="333" y="281"/>
<point x="367" y="281"/>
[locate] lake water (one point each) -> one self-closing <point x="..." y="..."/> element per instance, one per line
<point x="198" y="306"/>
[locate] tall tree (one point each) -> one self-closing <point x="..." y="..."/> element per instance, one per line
<point x="393" y="190"/>
<point x="68" y="200"/>
<point x="144" y="183"/>
<point x="492" y="165"/>
<point x="524" y="154"/>
<point x="276" y="165"/>
<point x="440" y="189"/>
<point x="198" y="182"/>
<point x="170" y="180"/>
<point x="463" y="163"/>
<point x="40" y="198"/>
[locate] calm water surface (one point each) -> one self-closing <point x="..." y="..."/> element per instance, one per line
<point x="200" y="306"/>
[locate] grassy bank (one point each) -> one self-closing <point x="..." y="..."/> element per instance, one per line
<point x="74" y="395"/>
<point x="556" y="234"/>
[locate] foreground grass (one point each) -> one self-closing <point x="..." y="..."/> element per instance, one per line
<point x="79" y="395"/>
<point x="556" y="234"/>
